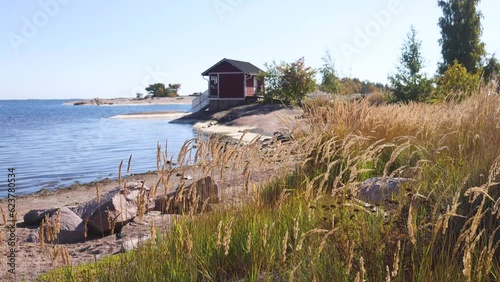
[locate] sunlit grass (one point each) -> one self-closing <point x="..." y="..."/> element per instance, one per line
<point x="309" y="226"/>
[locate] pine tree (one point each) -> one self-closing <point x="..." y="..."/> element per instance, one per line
<point x="409" y="84"/>
<point x="461" y="34"/>
<point x="329" y="81"/>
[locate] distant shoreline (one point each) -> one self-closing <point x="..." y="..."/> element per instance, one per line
<point x="152" y="115"/>
<point x="131" y="101"/>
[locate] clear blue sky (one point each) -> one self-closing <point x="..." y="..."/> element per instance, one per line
<point x="85" y="49"/>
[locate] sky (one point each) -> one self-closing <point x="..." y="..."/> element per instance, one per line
<point x="65" y="49"/>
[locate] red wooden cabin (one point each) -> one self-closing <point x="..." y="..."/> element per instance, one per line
<point x="232" y="83"/>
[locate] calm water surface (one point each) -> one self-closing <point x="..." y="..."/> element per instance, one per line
<point x="52" y="145"/>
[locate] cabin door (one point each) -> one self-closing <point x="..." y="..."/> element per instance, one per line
<point x="214" y="85"/>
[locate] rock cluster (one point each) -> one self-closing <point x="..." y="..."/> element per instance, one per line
<point x="113" y="210"/>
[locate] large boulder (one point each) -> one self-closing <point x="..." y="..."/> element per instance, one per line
<point x="62" y="227"/>
<point x="198" y="195"/>
<point x="71" y="226"/>
<point x="115" y="208"/>
<point x="379" y="189"/>
<point x="35" y="217"/>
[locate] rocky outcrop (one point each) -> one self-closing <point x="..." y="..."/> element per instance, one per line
<point x="115" y="208"/>
<point x="198" y="195"/>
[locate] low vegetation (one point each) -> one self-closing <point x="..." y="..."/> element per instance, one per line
<point x="309" y="226"/>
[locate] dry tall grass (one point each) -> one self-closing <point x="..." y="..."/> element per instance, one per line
<point x="309" y="226"/>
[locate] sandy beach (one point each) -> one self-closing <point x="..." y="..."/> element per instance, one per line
<point x="247" y="123"/>
<point x="167" y="115"/>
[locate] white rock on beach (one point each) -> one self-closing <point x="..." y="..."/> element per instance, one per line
<point x="132" y="244"/>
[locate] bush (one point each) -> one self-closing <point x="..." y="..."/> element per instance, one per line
<point x="288" y="83"/>
<point x="457" y="84"/>
<point x="376" y="98"/>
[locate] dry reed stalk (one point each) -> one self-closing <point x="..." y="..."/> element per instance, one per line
<point x="296" y="228"/>
<point x="41" y="234"/>
<point x="111" y="221"/>
<point x="57" y="224"/>
<point x="85" y="229"/>
<point x="323" y="242"/>
<point x="142" y="200"/>
<point x="395" y="263"/>
<point x="284" y="247"/>
<point x="227" y="235"/>
<point x="304" y="235"/>
<point x="249" y="242"/>
<point x="120" y="174"/>
<point x="158" y="157"/>
<point x="265" y="235"/>
<point x="65" y="257"/>
<point x="491" y="250"/>
<point x="410" y="225"/>
<point x="291" y="277"/>
<point x="397" y="151"/>
<point x="281" y="199"/>
<point x="360" y="277"/>
<point x="189" y="243"/>
<point x="219" y="235"/>
<point x="129" y="163"/>
<point x="350" y="256"/>
<point x="387" y="274"/>
<point x="49" y="235"/>
<point x="4" y="218"/>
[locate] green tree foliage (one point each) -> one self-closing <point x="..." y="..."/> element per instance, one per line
<point x="159" y="90"/>
<point x="175" y="87"/>
<point x="409" y="84"/>
<point x="329" y="80"/>
<point x="456" y="84"/>
<point x="461" y="34"/>
<point x="288" y="82"/>
<point x="491" y="70"/>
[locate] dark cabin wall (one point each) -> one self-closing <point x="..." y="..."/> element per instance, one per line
<point x="231" y="85"/>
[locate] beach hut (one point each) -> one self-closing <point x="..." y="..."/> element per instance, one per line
<point x="232" y="83"/>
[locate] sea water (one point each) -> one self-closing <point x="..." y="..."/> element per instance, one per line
<point x="53" y="146"/>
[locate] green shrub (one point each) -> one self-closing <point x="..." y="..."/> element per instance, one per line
<point x="456" y="84"/>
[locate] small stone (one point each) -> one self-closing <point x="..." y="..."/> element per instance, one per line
<point x="133" y="244"/>
<point x="33" y="238"/>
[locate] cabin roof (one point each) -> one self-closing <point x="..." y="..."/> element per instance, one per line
<point x="245" y="67"/>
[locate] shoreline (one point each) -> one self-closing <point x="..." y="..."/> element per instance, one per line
<point x="246" y="129"/>
<point x="169" y="115"/>
<point x="131" y="101"/>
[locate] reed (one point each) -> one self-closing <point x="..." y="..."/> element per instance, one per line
<point x="308" y="225"/>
